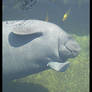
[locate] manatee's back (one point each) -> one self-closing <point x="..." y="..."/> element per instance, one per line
<point x="14" y="54"/>
<point x="21" y="53"/>
<point x="8" y="55"/>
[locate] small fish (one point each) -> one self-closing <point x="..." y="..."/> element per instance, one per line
<point x="46" y="19"/>
<point x="66" y="15"/>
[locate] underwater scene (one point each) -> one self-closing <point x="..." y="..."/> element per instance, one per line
<point x="70" y="15"/>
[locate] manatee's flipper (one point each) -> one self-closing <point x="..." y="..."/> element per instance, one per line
<point x="28" y="27"/>
<point x="61" y="67"/>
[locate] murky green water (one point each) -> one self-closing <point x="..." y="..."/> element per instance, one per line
<point x="76" y="78"/>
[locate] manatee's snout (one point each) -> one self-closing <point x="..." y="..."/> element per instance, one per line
<point x="73" y="47"/>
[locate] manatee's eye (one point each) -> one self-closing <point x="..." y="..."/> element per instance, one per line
<point x="69" y="37"/>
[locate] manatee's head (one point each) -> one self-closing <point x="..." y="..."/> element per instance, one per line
<point x="67" y="46"/>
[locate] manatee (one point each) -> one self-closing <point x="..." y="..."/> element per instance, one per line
<point x="32" y="46"/>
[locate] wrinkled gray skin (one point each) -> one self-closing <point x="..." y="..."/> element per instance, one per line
<point x="29" y="46"/>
